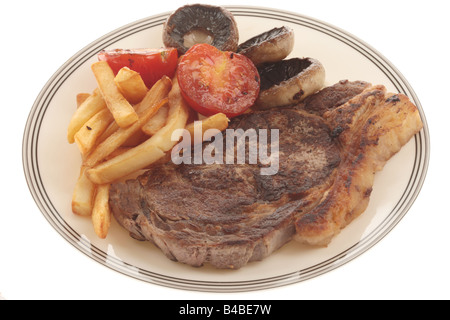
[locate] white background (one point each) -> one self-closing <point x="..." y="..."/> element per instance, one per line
<point x="411" y="262"/>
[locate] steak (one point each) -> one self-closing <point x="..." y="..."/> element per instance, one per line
<point x="226" y="215"/>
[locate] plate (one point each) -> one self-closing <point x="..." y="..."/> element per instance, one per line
<point x="51" y="165"/>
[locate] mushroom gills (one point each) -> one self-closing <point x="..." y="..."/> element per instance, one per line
<point x="288" y="82"/>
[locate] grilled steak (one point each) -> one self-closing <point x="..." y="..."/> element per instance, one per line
<point x="228" y="215"/>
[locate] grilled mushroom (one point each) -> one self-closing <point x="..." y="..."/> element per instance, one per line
<point x="197" y="23"/>
<point x="271" y="46"/>
<point x="288" y="82"/>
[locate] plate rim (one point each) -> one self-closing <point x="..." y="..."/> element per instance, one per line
<point x="44" y="203"/>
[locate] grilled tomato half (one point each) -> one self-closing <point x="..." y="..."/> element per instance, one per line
<point x="214" y="81"/>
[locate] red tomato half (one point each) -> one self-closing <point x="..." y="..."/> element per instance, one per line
<point x="214" y="81"/>
<point x="151" y="64"/>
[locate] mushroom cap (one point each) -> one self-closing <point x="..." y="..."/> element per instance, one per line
<point x="215" y="21"/>
<point x="288" y="82"/>
<point x="270" y="46"/>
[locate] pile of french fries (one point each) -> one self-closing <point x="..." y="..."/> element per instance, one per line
<point x="122" y="128"/>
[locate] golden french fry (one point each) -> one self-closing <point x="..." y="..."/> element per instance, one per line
<point x="101" y="213"/>
<point x="88" y="134"/>
<point x="87" y="106"/>
<point x="218" y="121"/>
<point x="83" y="195"/>
<point x="149" y="151"/>
<point x="117" y="152"/>
<point x="126" y="163"/>
<point x="113" y="127"/>
<point x="133" y="175"/>
<point x="131" y="85"/>
<point x="119" y="137"/>
<point x="165" y="159"/>
<point x="81" y="97"/>
<point x="156" y="122"/>
<point x="122" y="111"/>
<point x="138" y="137"/>
<point x="84" y="112"/>
<point x="158" y="91"/>
<point x="177" y="118"/>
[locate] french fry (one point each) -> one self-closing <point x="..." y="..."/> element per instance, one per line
<point x="84" y="112"/>
<point x="81" y="97"/>
<point x="157" y="92"/>
<point x="149" y="151"/>
<point x="156" y="122"/>
<point x="119" y="137"/>
<point x="138" y="137"/>
<point x="122" y="111"/>
<point x="131" y="85"/>
<point x="218" y="121"/>
<point x="117" y="152"/>
<point x="83" y="195"/>
<point x="165" y="159"/>
<point x="113" y="127"/>
<point x="134" y="175"/>
<point x="90" y="104"/>
<point x="177" y="118"/>
<point x="126" y="163"/>
<point x="101" y="213"/>
<point x="88" y="134"/>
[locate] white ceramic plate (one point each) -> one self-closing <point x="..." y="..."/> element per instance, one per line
<point x="51" y="165"/>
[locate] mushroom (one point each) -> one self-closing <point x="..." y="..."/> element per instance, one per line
<point x="192" y="24"/>
<point x="271" y="46"/>
<point x="289" y="82"/>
